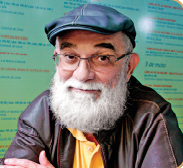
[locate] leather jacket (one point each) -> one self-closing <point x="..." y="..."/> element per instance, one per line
<point x="147" y="136"/>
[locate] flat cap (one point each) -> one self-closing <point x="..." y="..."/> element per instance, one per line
<point x="92" y="17"/>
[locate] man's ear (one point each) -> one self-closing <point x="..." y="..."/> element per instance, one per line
<point x="133" y="62"/>
<point x="55" y="51"/>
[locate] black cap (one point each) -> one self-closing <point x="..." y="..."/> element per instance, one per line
<point x="92" y="17"/>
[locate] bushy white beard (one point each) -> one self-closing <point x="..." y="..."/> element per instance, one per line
<point x="82" y="110"/>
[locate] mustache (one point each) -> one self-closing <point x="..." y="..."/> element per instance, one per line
<point x="73" y="83"/>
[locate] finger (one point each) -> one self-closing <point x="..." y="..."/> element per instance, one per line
<point x="20" y="163"/>
<point x="5" y="166"/>
<point x="44" y="161"/>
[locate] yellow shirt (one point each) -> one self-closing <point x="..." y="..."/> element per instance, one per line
<point x="87" y="154"/>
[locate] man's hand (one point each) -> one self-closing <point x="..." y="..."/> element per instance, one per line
<point x="24" y="163"/>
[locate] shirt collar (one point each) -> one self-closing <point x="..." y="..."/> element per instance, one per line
<point x="77" y="134"/>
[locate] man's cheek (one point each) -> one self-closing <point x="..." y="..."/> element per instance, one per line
<point x="109" y="78"/>
<point x="64" y="75"/>
<point x="113" y="82"/>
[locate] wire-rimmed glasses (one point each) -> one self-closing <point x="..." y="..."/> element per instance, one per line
<point x="96" y="62"/>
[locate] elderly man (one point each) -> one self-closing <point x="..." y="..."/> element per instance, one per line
<point x="96" y="114"/>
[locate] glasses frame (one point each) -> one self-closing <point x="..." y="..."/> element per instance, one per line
<point x="116" y="59"/>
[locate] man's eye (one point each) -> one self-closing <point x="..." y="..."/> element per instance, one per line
<point x="71" y="57"/>
<point x="104" y="58"/>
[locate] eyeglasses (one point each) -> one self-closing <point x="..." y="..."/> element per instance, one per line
<point x="96" y="62"/>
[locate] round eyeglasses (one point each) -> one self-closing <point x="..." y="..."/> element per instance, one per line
<point x="96" y="62"/>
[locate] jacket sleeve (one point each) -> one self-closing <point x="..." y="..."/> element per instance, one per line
<point x="31" y="138"/>
<point x="160" y="139"/>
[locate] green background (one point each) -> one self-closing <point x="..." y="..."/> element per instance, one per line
<point x="159" y="44"/>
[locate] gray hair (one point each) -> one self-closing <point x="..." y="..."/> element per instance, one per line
<point x="128" y="48"/>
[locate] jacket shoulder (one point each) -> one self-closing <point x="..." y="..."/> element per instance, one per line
<point x="139" y="92"/>
<point x="39" y="105"/>
<point x="37" y="131"/>
<point x="145" y="101"/>
<point x="152" y="117"/>
<point x="38" y="116"/>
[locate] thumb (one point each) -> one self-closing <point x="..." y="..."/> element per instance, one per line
<point x="44" y="161"/>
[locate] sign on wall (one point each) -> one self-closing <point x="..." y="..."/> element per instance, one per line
<point x="26" y="65"/>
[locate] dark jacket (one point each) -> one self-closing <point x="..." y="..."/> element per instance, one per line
<point x="147" y="136"/>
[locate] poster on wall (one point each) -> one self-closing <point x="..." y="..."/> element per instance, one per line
<point x="26" y="65"/>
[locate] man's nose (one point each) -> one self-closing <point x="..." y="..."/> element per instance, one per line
<point x="83" y="72"/>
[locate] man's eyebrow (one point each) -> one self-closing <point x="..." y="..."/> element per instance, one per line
<point x="106" y="45"/>
<point x="67" y="45"/>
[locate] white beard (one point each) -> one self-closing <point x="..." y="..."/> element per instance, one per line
<point x="82" y="110"/>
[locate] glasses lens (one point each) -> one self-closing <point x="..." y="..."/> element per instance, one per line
<point x="68" y="62"/>
<point x="102" y="62"/>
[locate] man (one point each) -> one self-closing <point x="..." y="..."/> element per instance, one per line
<point x="96" y="113"/>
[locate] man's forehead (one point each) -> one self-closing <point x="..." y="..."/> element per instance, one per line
<point x="73" y="38"/>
